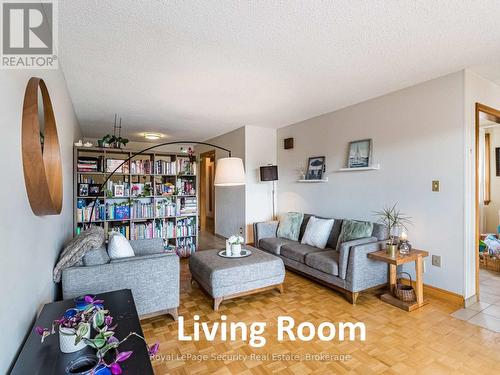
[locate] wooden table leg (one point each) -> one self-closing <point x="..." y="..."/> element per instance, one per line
<point x="419" y="268"/>
<point x="392" y="276"/>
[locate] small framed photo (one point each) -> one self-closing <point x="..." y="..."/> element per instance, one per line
<point x="119" y="190"/>
<point x="315" y="168"/>
<point x="83" y="190"/>
<point x="360" y="154"/>
<point x="94" y="190"/>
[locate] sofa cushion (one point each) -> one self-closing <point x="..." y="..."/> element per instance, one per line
<point x="379" y="231"/>
<point x="334" y="235"/>
<point x="289" y="225"/>
<point x="119" y="247"/>
<point x="273" y="244"/>
<point x="317" y="232"/>
<point x="326" y="261"/>
<point x="353" y="230"/>
<point x="297" y="251"/>
<point x="96" y="257"/>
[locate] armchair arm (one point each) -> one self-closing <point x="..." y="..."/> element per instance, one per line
<point x="265" y="229"/>
<point x="154" y="280"/>
<point x="344" y="250"/>
<point x="147" y="246"/>
<point x="362" y="272"/>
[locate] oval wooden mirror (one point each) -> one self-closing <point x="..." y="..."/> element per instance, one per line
<point x="40" y="149"/>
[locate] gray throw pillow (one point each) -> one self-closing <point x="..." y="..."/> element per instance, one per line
<point x="354" y="230"/>
<point x="289" y="225"/>
<point x="96" y="257"/>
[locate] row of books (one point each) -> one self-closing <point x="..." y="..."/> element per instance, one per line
<point x="141" y="231"/>
<point x="164" y="229"/>
<point x="83" y="211"/>
<point x="141" y="210"/>
<point x="186" y="227"/>
<point x="116" y="211"/>
<point x="121" y="228"/>
<point x="185" y="166"/>
<point x="165" y="167"/>
<point x="186" y="187"/>
<point x="186" y="246"/>
<point x="165" y="207"/>
<point x="140" y="167"/>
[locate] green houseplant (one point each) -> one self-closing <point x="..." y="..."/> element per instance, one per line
<point x="393" y="220"/>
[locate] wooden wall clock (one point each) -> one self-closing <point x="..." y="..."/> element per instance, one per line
<point x="40" y="149"/>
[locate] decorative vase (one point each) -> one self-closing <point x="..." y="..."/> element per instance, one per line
<point x="67" y="340"/>
<point x="228" y="248"/>
<point x="391" y="250"/>
<point x="236" y="249"/>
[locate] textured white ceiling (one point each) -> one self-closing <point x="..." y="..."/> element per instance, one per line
<point x="195" y="69"/>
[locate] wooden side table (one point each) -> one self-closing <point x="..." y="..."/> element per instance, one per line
<point x="414" y="256"/>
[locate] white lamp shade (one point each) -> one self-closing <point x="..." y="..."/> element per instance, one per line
<point x="229" y="172"/>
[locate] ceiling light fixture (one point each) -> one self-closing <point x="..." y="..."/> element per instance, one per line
<point x="152" y="136"/>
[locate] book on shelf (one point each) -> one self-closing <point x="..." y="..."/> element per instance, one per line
<point x="140" y="166"/>
<point x="124" y="229"/>
<point x="185" y="166"/>
<point x="142" y="231"/>
<point x="84" y="208"/>
<point x="141" y="210"/>
<point x="164" y="228"/>
<point x="89" y="164"/>
<point x="115" y="165"/>
<point x="165" y="166"/>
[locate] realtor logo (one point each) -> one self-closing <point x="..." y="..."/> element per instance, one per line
<point x="29" y="34"/>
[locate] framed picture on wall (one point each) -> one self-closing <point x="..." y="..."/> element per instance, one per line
<point x="360" y="154"/>
<point x="315" y="168"/>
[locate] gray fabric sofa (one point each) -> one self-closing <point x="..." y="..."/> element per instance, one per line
<point x="347" y="269"/>
<point x="152" y="275"/>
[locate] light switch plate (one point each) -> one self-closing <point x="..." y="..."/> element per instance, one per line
<point x="435" y="185"/>
<point x="436" y="260"/>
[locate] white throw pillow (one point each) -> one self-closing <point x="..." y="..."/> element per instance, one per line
<point x="119" y="247"/>
<point x="317" y="232"/>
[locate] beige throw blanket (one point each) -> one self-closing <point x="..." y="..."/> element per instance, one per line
<point x="76" y="248"/>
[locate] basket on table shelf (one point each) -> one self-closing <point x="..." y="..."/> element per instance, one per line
<point x="404" y="292"/>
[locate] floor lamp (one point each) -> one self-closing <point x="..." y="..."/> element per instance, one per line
<point x="270" y="173"/>
<point x="229" y="171"/>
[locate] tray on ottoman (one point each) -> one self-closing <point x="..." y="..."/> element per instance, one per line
<point x="225" y="278"/>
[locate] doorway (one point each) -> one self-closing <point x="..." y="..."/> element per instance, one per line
<point x="487" y="203"/>
<point x="207" y="192"/>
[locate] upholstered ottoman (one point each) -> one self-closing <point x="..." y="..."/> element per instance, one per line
<point x="226" y="278"/>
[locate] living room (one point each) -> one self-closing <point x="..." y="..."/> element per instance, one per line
<point x="250" y="187"/>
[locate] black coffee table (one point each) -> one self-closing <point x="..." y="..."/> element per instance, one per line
<point x="37" y="358"/>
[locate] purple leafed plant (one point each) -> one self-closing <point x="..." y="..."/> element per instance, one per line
<point x="79" y="323"/>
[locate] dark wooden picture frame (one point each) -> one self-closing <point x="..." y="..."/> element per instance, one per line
<point x="94" y="190"/>
<point x="315" y="172"/>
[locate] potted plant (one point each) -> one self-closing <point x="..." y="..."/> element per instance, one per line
<point x="112" y="140"/>
<point x="104" y="342"/>
<point x="393" y="220"/>
<point x="235" y="242"/>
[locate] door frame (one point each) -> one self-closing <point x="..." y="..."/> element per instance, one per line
<point x="203" y="191"/>
<point x="489" y="111"/>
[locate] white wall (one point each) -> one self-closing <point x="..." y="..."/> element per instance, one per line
<point x="418" y="136"/>
<point x="260" y="146"/>
<point x="476" y="90"/>
<point x="30" y="244"/>
<point x="229" y="200"/>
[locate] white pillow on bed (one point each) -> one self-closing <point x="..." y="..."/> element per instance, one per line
<point x="317" y="232"/>
<point x="119" y="247"/>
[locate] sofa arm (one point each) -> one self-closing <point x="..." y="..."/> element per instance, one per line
<point x="154" y="281"/>
<point x="147" y="246"/>
<point x="265" y="229"/>
<point x="344" y="250"/>
<point x="362" y="272"/>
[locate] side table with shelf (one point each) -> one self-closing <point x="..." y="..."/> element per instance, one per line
<point x="414" y="256"/>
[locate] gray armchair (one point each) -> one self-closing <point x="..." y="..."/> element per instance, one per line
<point x="151" y="275"/>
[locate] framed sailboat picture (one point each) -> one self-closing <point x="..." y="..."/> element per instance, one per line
<point x="360" y="154"/>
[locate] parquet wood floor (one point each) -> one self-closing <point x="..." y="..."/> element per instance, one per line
<point x="425" y="341"/>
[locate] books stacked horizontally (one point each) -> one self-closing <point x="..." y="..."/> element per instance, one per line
<point x="89" y="164"/>
<point x="188" y="206"/>
<point x="165" y="166"/>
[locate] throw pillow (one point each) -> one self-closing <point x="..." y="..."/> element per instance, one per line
<point x="119" y="247"/>
<point x="289" y="225"/>
<point x="354" y="230"/>
<point x="317" y="232"/>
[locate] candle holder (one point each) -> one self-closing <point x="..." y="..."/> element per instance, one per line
<point x="404" y="247"/>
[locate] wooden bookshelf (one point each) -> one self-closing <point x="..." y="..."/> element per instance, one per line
<point x="168" y="209"/>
